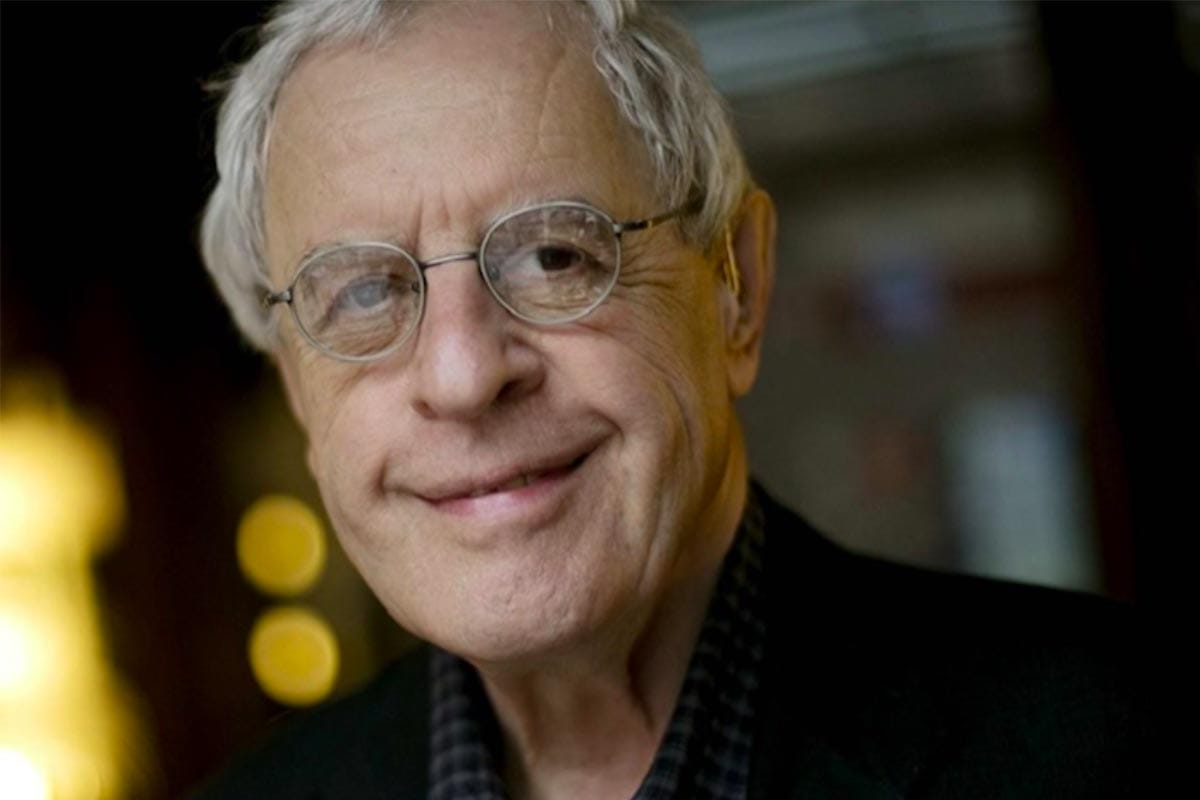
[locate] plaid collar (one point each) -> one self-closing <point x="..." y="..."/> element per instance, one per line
<point x="705" y="752"/>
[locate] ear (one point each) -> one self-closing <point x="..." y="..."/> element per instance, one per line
<point x="749" y="254"/>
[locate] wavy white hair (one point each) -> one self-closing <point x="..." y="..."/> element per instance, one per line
<point x="650" y="65"/>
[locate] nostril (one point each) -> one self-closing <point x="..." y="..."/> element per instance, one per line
<point x="525" y="383"/>
<point x="423" y="409"/>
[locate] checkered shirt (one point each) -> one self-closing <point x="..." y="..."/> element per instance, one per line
<point x="705" y="753"/>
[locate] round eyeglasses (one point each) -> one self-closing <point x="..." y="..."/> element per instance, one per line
<point x="547" y="264"/>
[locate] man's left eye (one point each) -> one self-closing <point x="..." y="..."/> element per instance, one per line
<point x="557" y="259"/>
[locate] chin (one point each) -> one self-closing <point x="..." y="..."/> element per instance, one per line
<point x="510" y="642"/>
<point x="519" y="621"/>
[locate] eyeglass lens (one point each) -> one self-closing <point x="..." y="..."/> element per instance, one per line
<point x="552" y="263"/>
<point x="546" y="264"/>
<point x="358" y="300"/>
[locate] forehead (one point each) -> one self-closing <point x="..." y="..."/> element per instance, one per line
<point x="467" y="111"/>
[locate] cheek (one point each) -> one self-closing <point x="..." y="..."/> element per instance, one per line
<point x="678" y="341"/>
<point x="671" y="318"/>
<point x="654" y="370"/>
<point x="348" y="457"/>
<point x="346" y="430"/>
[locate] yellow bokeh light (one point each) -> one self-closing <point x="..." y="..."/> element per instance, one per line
<point x="49" y="641"/>
<point x="294" y="655"/>
<point x="20" y="778"/>
<point x="66" y="731"/>
<point x="17" y="655"/>
<point x="281" y="546"/>
<point x="60" y="489"/>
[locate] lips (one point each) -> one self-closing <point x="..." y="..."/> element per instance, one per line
<point x="519" y="482"/>
<point x="503" y="480"/>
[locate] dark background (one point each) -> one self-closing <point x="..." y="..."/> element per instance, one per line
<point x="106" y="158"/>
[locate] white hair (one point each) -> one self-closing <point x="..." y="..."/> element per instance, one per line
<point x="652" y="68"/>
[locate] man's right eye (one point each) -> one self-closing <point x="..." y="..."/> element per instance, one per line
<point x="364" y="294"/>
<point x="367" y="295"/>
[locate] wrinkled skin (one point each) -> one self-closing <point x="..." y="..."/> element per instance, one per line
<point x="467" y="114"/>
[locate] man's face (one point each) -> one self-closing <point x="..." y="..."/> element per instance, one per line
<point x="621" y="423"/>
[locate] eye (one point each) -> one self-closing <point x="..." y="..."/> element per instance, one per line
<point x="556" y="259"/>
<point x="368" y="297"/>
<point x="548" y="258"/>
<point x="366" y="294"/>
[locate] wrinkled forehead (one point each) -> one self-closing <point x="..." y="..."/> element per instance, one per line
<point x="482" y="105"/>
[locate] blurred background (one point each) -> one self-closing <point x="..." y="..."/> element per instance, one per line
<point x="982" y="355"/>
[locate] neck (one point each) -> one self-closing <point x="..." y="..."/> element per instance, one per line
<point x="588" y="723"/>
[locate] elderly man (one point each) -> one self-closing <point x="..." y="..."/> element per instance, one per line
<point x="512" y="269"/>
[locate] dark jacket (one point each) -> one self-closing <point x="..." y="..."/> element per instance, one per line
<point x="882" y="681"/>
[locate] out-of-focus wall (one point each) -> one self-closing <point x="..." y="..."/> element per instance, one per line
<point x="927" y="382"/>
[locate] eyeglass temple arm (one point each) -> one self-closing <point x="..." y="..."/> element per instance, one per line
<point x="690" y="207"/>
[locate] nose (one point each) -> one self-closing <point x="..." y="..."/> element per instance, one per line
<point x="467" y="359"/>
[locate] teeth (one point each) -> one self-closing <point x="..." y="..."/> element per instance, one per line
<point x="516" y="483"/>
<point x="519" y="482"/>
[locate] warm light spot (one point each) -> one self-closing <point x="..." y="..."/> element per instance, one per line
<point x="294" y="655"/>
<point x="20" y="778"/>
<point x="281" y="546"/>
<point x="24" y="659"/>
<point x="16" y="656"/>
<point x="60" y="489"/>
<point x="65" y="726"/>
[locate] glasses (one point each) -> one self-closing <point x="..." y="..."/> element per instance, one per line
<point x="547" y="264"/>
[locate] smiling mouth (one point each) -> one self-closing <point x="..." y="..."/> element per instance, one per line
<point x="519" y="482"/>
<point x="515" y="483"/>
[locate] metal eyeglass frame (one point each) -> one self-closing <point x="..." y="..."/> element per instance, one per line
<point x="287" y="294"/>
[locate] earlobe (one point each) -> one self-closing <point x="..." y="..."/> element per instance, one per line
<point x="750" y="273"/>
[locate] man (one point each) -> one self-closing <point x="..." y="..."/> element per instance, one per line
<point x="513" y="272"/>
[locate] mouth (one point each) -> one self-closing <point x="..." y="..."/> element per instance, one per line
<point x="526" y="479"/>
<point x="506" y="482"/>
